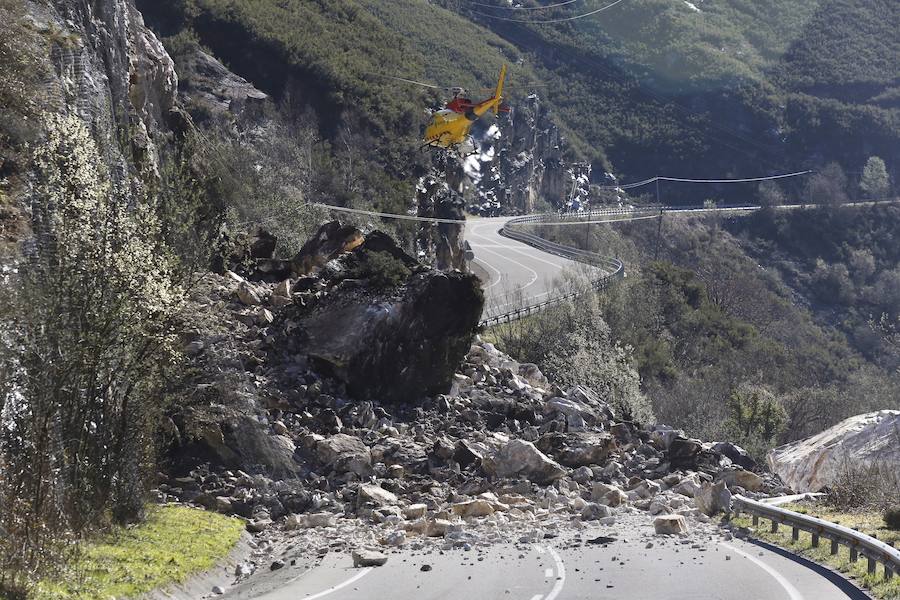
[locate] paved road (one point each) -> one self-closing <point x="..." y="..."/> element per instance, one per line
<point x="514" y="269"/>
<point x="567" y="570"/>
<point x="519" y="274"/>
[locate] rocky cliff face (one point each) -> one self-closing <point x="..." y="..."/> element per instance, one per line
<point x="522" y="165"/>
<point x="114" y="73"/>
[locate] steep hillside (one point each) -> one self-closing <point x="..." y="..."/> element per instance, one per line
<point x="648" y="87"/>
<point x="726" y="87"/>
<point x="845" y="51"/>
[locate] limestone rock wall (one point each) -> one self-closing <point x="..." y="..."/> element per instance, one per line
<point x="522" y="166"/>
<point x="113" y="72"/>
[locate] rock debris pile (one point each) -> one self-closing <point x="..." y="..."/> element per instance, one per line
<point x="501" y="455"/>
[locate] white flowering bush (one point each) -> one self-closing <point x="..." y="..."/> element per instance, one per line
<point x="95" y="332"/>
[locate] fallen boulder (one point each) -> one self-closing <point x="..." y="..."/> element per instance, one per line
<point x="739" y="477"/>
<point x="473" y="508"/>
<point x="586" y="449"/>
<point x="670" y="525"/>
<point x="368" y="558"/>
<point x="814" y="463"/>
<point x="333" y="239"/>
<point x="594" y="512"/>
<point x="309" y="521"/>
<point x="519" y="457"/>
<point x="735" y="454"/>
<point x="376" y="495"/>
<point x="683" y="453"/>
<point x="394" y="345"/>
<point x="713" y="498"/>
<point x="344" y="453"/>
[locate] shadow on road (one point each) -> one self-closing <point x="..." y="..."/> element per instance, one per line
<point x="841" y="582"/>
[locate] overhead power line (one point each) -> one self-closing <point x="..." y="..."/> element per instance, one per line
<point x="373" y="213"/>
<point x="548" y="21"/>
<point x="637" y="184"/>
<point x="545" y="7"/>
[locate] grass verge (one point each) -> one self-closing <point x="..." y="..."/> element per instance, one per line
<point x="174" y="543"/>
<point x="870" y="523"/>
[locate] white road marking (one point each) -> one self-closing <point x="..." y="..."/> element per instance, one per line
<point x="335" y="588"/>
<point x="548" y="573"/>
<point x="530" y="253"/>
<point x="534" y="274"/>
<point x="560" y="577"/>
<point x="792" y="592"/>
<point x="538" y="548"/>
<point x="492" y="268"/>
<point x="536" y="597"/>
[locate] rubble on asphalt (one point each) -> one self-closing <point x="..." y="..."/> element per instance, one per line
<point x="504" y="456"/>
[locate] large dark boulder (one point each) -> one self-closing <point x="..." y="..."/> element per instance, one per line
<point x="397" y="344"/>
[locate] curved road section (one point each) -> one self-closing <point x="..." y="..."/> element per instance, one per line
<point x="515" y="272"/>
<point x="567" y="568"/>
<point x="523" y="273"/>
<point x="518" y="275"/>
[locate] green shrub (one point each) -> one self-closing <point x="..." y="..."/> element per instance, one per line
<point x="382" y="270"/>
<point x="892" y="517"/>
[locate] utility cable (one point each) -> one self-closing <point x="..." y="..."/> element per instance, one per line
<point x="548" y="21"/>
<point x="637" y="184"/>
<point x="485" y="4"/>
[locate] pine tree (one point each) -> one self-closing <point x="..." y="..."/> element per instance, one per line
<point x="875" y="182"/>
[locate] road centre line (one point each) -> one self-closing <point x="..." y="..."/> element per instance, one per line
<point x="529" y="269"/>
<point x="561" y="575"/>
<point x="492" y="268"/>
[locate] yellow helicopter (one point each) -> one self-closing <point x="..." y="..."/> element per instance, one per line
<point x="449" y="127"/>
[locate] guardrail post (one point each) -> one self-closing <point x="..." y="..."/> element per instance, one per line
<point x="834" y="547"/>
<point x="755" y="520"/>
<point x="774" y="526"/>
<point x="815" y="540"/>
<point x="795" y="534"/>
<point x="888" y="569"/>
<point x="870" y="568"/>
<point x="854" y="554"/>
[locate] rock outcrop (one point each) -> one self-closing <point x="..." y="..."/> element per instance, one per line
<point x="114" y="73"/>
<point x="440" y="195"/>
<point x="813" y="464"/>
<point x="522" y="165"/>
<point x="206" y="82"/>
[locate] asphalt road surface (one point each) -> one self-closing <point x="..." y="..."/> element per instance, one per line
<point x="515" y="270"/>
<point x="672" y="569"/>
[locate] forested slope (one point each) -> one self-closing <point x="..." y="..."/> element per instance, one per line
<point x="647" y="87"/>
<point x="726" y="87"/>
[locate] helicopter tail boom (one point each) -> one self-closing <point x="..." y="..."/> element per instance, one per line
<point x="498" y="95"/>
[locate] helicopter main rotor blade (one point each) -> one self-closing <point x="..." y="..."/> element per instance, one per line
<point x="430" y="86"/>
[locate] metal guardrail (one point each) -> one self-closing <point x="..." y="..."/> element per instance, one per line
<point x="618" y="269"/>
<point x="874" y="550"/>
<point x="614" y="268"/>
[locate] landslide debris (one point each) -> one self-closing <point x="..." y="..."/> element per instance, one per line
<point x="336" y="417"/>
